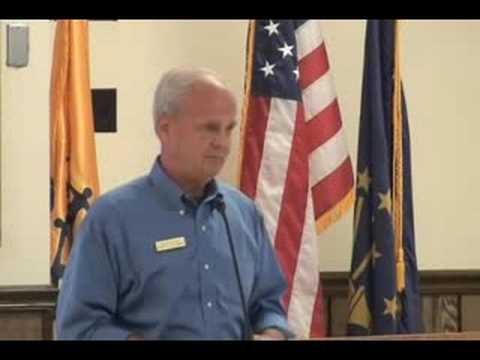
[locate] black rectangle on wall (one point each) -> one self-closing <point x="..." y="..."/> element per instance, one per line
<point x="104" y="103"/>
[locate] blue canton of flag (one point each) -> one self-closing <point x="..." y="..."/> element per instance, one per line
<point x="275" y="60"/>
<point x="384" y="292"/>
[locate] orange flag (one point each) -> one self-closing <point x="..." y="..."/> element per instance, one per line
<point x="73" y="166"/>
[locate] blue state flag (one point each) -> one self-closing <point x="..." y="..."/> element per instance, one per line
<point x="383" y="286"/>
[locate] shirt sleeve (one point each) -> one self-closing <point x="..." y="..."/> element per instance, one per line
<point x="266" y="308"/>
<point x="88" y="295"/>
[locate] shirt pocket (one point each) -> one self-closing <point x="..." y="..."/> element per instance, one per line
<point x="167" y="256"/>
<point x="166" y="273"/>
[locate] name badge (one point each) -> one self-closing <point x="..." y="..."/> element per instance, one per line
<point x="170" y="244"/>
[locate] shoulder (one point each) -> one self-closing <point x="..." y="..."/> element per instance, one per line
<point x="123" y="196"/>
<point x="235" y="197"/>
<point x="245" y="218"/>
<point x="238" y="202"/>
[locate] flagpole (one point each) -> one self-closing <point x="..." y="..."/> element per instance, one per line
<point x="398" y="165"/>
<point x="246" y="96"/>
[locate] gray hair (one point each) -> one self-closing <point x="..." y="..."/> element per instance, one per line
<point x="172" y="88"/>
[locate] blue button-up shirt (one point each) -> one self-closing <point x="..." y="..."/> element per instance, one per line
<point x="120" y="280"/>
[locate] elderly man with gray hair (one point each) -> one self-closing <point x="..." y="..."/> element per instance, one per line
<point x="176" y="254"/>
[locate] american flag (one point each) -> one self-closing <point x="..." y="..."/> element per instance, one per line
<point x="294" y="158"/>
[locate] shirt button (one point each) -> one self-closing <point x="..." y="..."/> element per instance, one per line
<point x="204" y="228"/>
<point x="182" y="212"/>
<point x="206" y="266"/>
<point x="209" y="304"/>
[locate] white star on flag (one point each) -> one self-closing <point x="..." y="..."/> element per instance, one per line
<point x="272" y="28"/>
<point x="268" y="68"/>
<point x="297" y="73"/>
<point x="286" y="50"/>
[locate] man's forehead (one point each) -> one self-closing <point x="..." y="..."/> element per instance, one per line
<point x="218" y="120"/>
<point x="212" y="87"/>
<point x="209" y="81"/>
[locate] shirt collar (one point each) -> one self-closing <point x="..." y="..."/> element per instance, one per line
<point x="175" y="197"/>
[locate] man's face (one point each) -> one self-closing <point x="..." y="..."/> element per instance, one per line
<point x="198" y="138"/>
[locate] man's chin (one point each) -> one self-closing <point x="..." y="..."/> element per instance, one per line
<point x="213" y="171"/>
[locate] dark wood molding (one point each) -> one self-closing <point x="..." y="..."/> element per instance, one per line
<point x="30" y="310"/>
<point x="37" y="301"/>
<point x="454" y="282"/>
<point x="442" y="282"/>
<point x="334" y="283"/>
<point x="450" y="300"/>
<point x="29" y="295"/>
<point x="432" y="282"/>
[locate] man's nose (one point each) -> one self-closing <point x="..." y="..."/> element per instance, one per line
<point x="221" y="140"/>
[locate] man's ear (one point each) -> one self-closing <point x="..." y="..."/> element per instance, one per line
<point x="162" y="127"/>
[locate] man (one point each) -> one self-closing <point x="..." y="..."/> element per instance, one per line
<point x="152" y="259"/>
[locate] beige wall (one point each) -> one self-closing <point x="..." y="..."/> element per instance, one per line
<point x="25" y="162"/>
<point x="441" y="77"/>
<point x="443" y="83"/>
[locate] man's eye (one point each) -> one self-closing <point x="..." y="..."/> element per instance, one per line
<point x="211" y="128"/>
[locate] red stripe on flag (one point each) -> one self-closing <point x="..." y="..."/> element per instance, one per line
<point x="333" y="188"/>
<point x="292" y="214"/>
<point x="324" y="125"/>
<point x="256" y="125"/>
<point x="313" y="66"/>
<point x="317" y="327"/>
